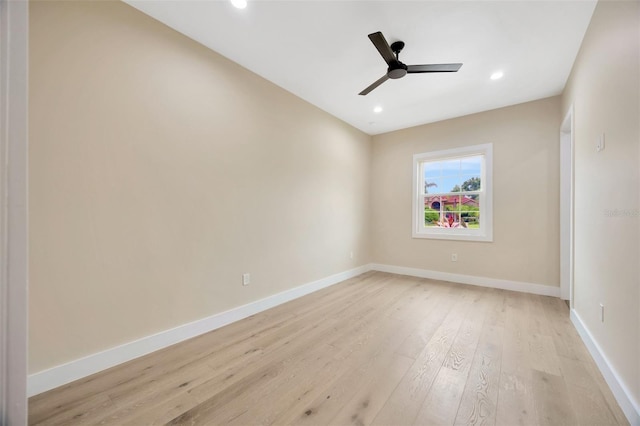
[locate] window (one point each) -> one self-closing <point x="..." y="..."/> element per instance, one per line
<point x="452" y="194"/>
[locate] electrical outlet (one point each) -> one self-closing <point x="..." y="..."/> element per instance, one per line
<point x="246" y="279"/>
<point x="351" y="255"/>
<point x="454" y="257"/>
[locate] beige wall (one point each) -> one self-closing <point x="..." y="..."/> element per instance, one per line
<point x="604" y="90"/>
<point x="160" y="172"/>
<point x="525" y="243"/>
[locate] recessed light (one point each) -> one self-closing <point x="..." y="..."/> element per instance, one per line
<point x="497" y="75"/>
<point x="239" y="4"/>
<point x="377" y="109"/>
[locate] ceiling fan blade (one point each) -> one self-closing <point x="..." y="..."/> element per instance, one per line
<point x="377" y="83"/>
<point x="381" y="44"/>
<point x="416" y="69"/>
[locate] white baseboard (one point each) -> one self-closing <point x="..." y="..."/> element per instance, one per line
<point x="630" y="408"/>
<point x="541" y="289"/>
<point x="62" y="374"/>
<point x="77" y="369"/>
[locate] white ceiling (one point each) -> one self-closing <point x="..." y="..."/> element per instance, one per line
<point x="319" y="50"/>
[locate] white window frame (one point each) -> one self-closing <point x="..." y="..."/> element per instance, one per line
<point x="485" y="232"/>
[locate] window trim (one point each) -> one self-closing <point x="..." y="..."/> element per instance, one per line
<point x="485" y="233"/>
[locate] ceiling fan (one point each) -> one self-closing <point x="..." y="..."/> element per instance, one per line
<point x="397" y="69"/>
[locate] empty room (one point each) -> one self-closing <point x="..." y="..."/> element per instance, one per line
<point x="320" y="212"/>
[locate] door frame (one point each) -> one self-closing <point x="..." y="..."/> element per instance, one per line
<point x="567" y="182"/>
<point x="14" y="30"/>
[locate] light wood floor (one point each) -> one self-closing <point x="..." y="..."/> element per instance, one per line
<point x="377" y="349"/>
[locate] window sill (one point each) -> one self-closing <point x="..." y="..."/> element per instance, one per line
<point x="455" y="237"/>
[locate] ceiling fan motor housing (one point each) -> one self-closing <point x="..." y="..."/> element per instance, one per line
<point x="397" y="70"/>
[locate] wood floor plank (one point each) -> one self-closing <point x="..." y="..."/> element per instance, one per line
<point x="318" y="404"/>
<point x="562" y="331"/>
<point x="515" y="347"/>
<point x="233" y="366"/>
<point x="515" y="400"/>
<point x="376" y="349"/>
<point x="542" y="354"/>
<point x="590" y="407"/>
<point x="443" y="400"/>
<point x="146" y="400"/>
<point x="78" y="413"/>
<point x="223" y="407"/>
<point x="405" y="402"/>
<point x="497" y="313"/>
<point x="275" y="379"/>
<point x="537" y="317"/>
<point x="307" y="379"/>
<point x="161" y="413"/>
<point x="436" y="308"/>
<point x="370" y="397"/>
<point x="404" y="313"/>
<point x="576" y="373"/>
<point x="363" y="349"/>
<point x="480" y="398"/>
<point x="606" y="392"/>
<point x="552" y="402"/>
